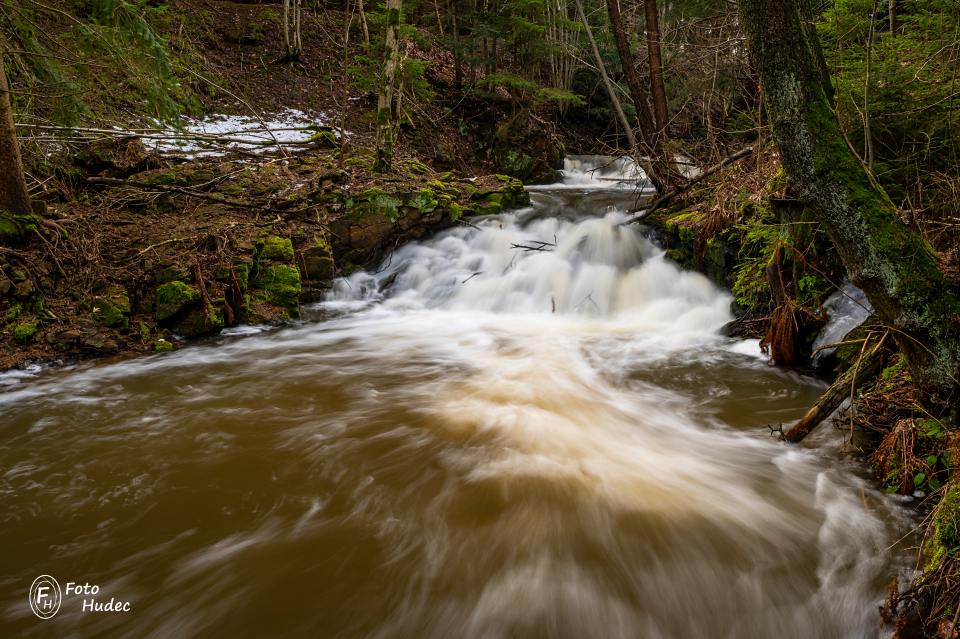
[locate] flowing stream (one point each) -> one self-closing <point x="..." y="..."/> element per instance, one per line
<point x="529" y="427"/>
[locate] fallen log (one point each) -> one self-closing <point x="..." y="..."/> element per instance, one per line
<point x="865" y="368"/>
<point x="212" y="197"/>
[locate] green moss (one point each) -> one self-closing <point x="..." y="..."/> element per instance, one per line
<point x="144" y="332"/>
<point x="424" y="201"/>
<point x="281" y="285"/>
<point x="275" y="248"/>
<point x="162" y="346"/>
<point x="23" y="333"/>
<point x="892" y="371"/>
<point x="751" y="290"/>
<point x="13" y="226"/>
<point x="112" y="308"/>
<point x="382" y="203"/>
<point x="418" y="168"/>
<point x="172" y="297"/>
<point x="455" y="211"/>
<point x="13" y="312"/>
<point x="945" y="538"/>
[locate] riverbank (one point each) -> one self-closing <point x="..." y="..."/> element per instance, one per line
<point x="154" y="251"/>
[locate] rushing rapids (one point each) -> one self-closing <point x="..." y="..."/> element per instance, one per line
<point x="525" y="427"/>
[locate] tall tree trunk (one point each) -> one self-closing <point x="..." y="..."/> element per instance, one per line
<point x="286" y="29"/>
<point x="637" y="93"/>
<point x="868" y="79"/>
<point x="660" y="166"/>
<point x="386" y="110"/>
<point x="363" y="23"/>
<point x="893" y="264"/>
<point x="291" y="22"/>
<point x="297" y="40"/>
<point x="611" y="91"/>
<point x="656" y="67"/>
<point x="16" y="215"/>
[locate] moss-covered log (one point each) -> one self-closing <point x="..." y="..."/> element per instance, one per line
<point x="893" y="264"/>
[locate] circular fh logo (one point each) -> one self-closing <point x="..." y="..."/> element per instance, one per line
<point x="45" y="596"/>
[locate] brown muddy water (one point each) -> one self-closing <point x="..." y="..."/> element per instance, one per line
<point x="477" y="441"/>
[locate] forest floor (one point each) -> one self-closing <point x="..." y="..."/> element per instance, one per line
<point x="140" y="248"/>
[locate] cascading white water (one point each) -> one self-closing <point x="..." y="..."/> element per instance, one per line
<point x="600" y="172"/>
<point x="518" y="263"/>
<point x="485" y="441"/>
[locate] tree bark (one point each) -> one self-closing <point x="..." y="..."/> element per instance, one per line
<point x="637" y="91"/>
<point x="363" y="23"/>
<point x="660" y="113"/>
<point x="16" y="214"/>
<point x="894" y="265"/>
<point x="611" y="92"/>
<point x="386" y="110"/>
<point x="867" y="134"/>
<point x="659" y="168"/>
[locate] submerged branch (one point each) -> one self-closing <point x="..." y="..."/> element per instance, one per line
<point x="865" y="368"/>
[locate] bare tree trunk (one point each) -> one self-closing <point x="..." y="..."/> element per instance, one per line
<point x="363" y="23"/>
<point x="16" y="214"/>
<point x="659" y="170"/>
<point x="291" y="22"/>
<point x="286" y="29"/>
<point x="621" y="115"/>
<point x="386" y="103"/>
<point x="637" y="92"/>
<point x="656" y="67"/>
<point x="894" y="265"/>
<point x="297" y="41"/>
<point x="457" y="53"/>
<point x="867" y="135"/>
<point x="892" y="10"/>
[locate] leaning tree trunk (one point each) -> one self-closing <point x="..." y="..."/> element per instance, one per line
<point x="601" y="69"/>
<point x="16" y="215"/>
<point x="652" y="17"/>
<point x="893" y="264"/>
<point x="386" y="116"/>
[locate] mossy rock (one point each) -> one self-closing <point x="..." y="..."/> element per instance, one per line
<point x="424" y="201"/>
<point x="24" y="333"/>
<point x="276" y="249"/>
<point x="318" y="263"/>
<point x="168" y="273"/>
<point x="14" y="227"/>
<point x="112" y="308"/>
<point x="197" y="323"/>
<point x="162" y="346"/>
<point x="172" y="298"/>
<point x="382" y="203"/>
<point x="13" y="312"/>
<point x="280" y="284"/>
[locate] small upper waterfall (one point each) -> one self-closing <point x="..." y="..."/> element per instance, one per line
<point x="601" y="172"/>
